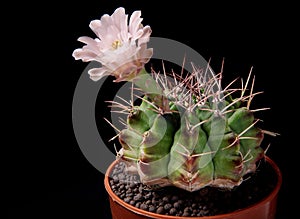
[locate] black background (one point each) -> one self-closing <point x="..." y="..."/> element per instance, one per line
<point x="46" y="173"/>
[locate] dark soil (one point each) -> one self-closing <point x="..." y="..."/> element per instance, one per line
<point x="204" y="202"/>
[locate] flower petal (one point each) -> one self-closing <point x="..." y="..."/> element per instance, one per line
<point x="145" y="54"/>
<point x="146" y="35"/>
<point x="119" y="19"/>
<point x="98" y="73"/>
<point x="84" y="55"/>
<point x="95" y="25"/>
<point x="135" y="23"/>
<point x="87" y="40"/>
<point x="100" y="27"/>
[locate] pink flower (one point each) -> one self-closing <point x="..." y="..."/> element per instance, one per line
<point x="120" y="48"/>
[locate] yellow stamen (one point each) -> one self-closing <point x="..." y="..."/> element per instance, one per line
<point x="116" y="44"/>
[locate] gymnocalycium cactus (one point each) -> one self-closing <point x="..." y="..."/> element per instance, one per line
<point x="187" y="131"/>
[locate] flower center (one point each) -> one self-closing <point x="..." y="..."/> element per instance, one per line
<point x="116" y="44"/>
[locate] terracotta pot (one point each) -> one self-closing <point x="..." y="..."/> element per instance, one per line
<point x="265" y="209"/>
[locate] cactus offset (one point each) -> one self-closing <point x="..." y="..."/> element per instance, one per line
<point x="191" y="133"/>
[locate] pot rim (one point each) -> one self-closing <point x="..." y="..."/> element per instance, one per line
<point x="271" y="196"/>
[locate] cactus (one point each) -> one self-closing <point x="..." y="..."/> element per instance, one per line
<point x="187" y="131"/>
<point x="191" y="133"/>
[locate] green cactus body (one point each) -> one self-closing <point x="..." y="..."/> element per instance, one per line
<point x="141" y="118"/>
<point x="138" y="121"/>
<point x="241" y="122"/>
<point x="190" y="165"/>
<point x="155" y="148"/>
<point x="192" y="139"/>
<point x="227" y="161"/>
<point x="146" y="142"/>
